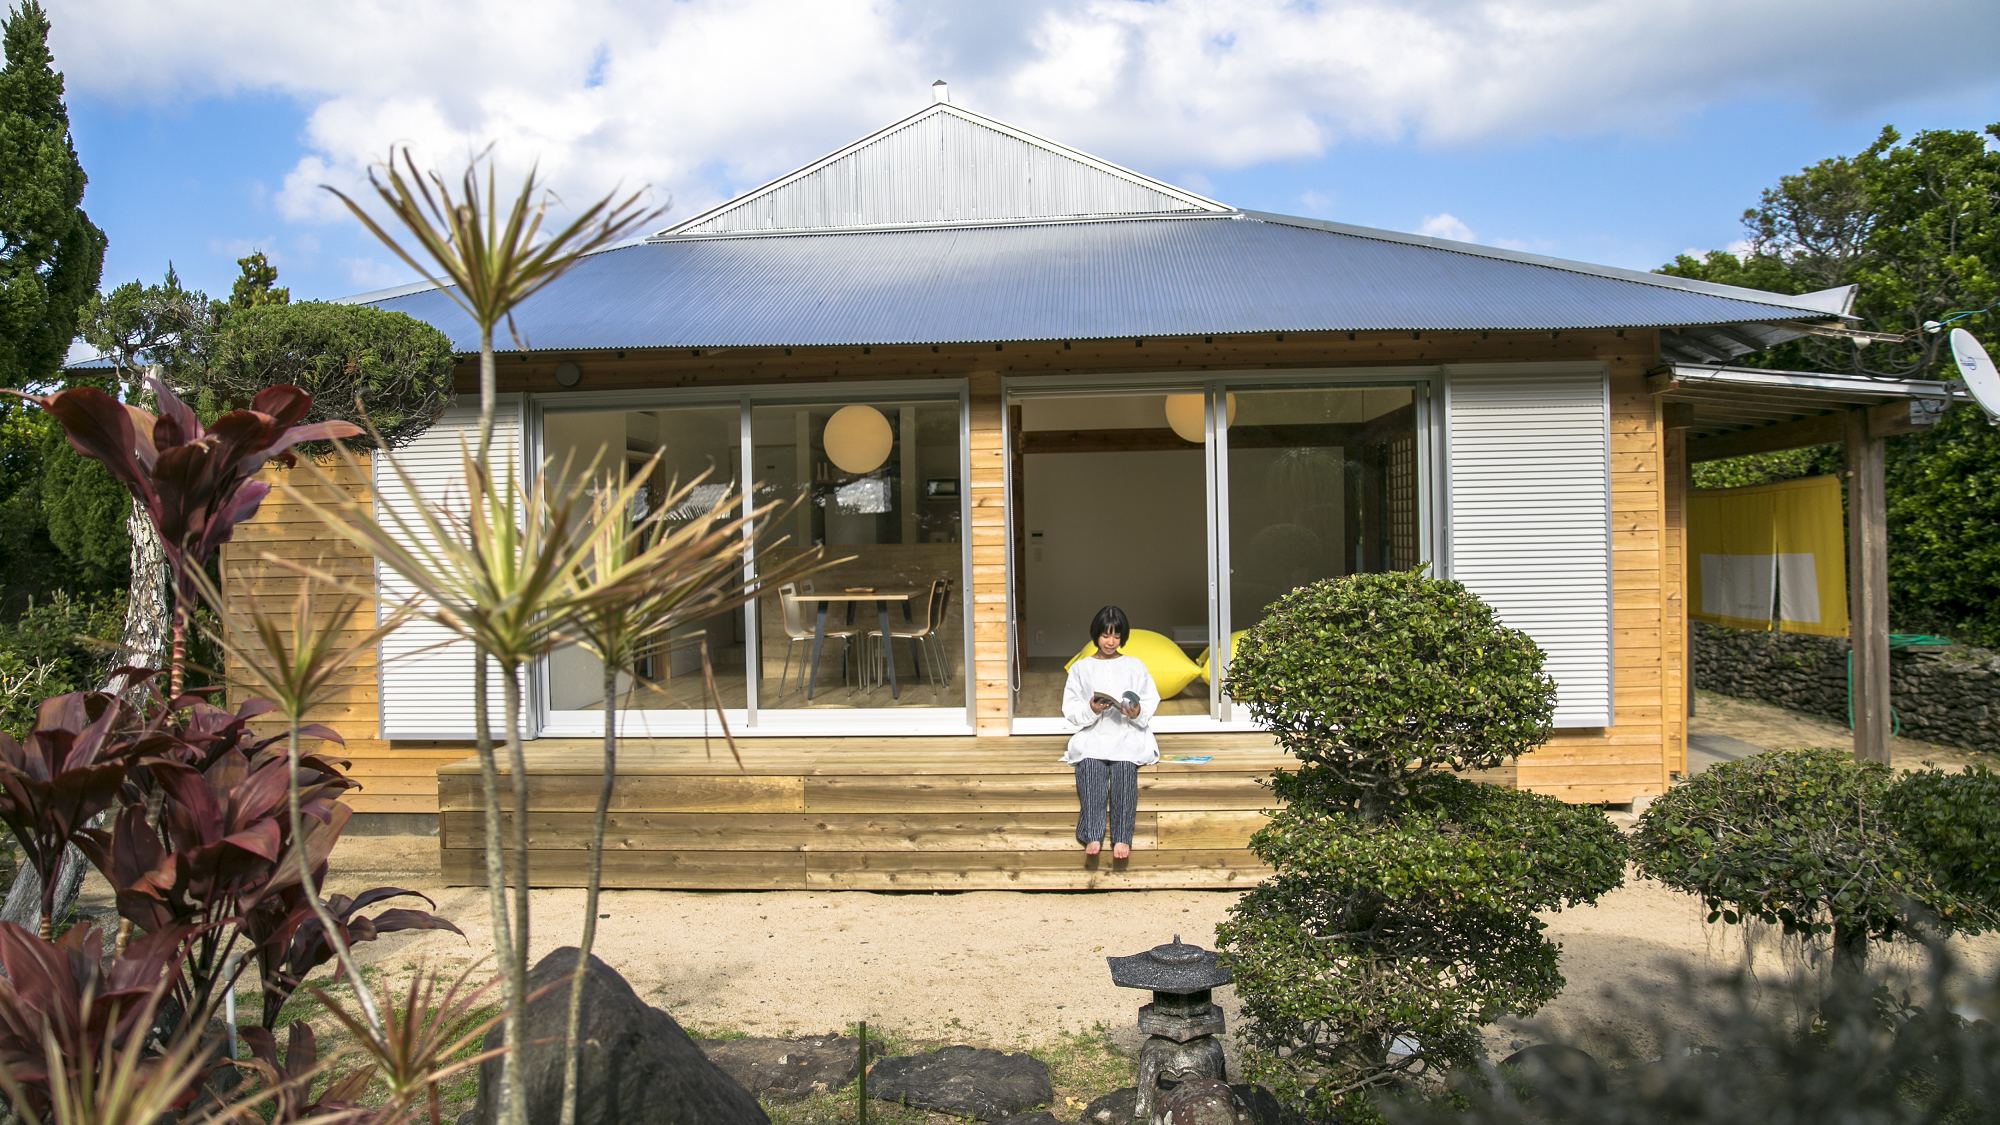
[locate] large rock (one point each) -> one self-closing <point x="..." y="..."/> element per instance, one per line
<point x="973" y="1082"/>
<point x="1558" y="1067"/>
<point x="1039" y="1117"/>
<point x="638" y="1066"/>
<point x="788" y="1070"/>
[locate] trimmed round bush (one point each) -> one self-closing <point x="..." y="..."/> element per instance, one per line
<point x="1401" y="913"/>
<point x="398" y="367"/>
<point x="1804" y="840"/>
<point x="1376" y="675"/>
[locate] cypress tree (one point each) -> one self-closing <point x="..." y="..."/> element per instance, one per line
<point x="51" y="255"/>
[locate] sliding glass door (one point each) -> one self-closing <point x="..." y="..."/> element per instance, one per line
<point x="874" y="642"/>
<point x="1193" y="508"/>
<point x="1316" y="482"/>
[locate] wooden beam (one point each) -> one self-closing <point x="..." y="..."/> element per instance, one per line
<point x="1886" y="419"/>
<point x="1868" y="587"/>
<point x="1823" y="429"/>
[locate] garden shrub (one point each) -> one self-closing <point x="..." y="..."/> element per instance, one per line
<point x="1952" y="820"/>
<point x="397" y="366"/>
<point x="1880" y="1048"/>
<point x="56" y="646"/>
<point x="1400" y="917"/>
<point x="1804" y="840"/>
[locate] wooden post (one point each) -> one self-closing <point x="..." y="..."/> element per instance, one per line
<point x="1868" y="588"/>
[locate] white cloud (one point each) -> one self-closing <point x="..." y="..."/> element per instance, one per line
<point x="1445" y="225"/>
<point x="704" y="98"/>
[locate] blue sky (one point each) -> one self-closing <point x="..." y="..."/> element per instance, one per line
<point x="1612" y="131"/>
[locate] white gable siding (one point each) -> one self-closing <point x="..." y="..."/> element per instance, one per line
<point x="1530" y="503"/>
<point x="946" y="165"/>
<point x="427" y="675"/>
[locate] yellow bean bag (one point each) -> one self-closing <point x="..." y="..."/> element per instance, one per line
<point x="1170" y="668"/>
<point x="1201" y="662"/>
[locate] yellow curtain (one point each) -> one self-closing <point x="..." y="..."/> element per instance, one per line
<point x="1769" y="556"/>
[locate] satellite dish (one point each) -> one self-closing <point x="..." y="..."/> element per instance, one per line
<point x="1976" y="368"/>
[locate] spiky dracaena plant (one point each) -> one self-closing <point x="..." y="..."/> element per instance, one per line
<point x="423" y="1036"/>
<point x="494" y="570"/>
<point x="486" y="263"/>
<point x="682" y="563"/>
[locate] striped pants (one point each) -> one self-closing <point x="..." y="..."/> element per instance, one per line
<point x="1100" y="783"/>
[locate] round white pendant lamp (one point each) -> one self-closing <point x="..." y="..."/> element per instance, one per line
<point x="1184" y="415"/>
<point x="858" y="439"/>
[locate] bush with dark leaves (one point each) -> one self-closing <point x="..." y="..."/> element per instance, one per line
<point x="1401" y="913"/>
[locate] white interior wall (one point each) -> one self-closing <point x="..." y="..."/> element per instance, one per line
<point x="1123" y="528"/>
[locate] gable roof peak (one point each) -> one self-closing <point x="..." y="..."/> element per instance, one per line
<point x="943" y="165"/>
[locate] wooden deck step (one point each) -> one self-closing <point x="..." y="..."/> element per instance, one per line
<point x="866" y="814"/>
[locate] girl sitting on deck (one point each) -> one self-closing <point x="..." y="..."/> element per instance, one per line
<point x="1110" y="699"/>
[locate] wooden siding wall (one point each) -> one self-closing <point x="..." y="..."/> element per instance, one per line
<point x="399" y="778"/>
<point x="1629" y="759"/>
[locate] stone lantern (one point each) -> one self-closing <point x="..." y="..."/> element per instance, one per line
<point x="1181" y="1024"/>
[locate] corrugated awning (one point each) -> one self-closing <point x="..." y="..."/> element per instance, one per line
<point x="1754" y="406"/>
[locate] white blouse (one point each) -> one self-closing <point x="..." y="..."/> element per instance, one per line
<point x="1110" y="735"/>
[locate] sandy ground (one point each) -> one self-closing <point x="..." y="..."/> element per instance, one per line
<point x="1014" y="968"/>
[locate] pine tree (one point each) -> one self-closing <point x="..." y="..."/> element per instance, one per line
<point x="51" y="254"/>
<point x="258" y="284"/>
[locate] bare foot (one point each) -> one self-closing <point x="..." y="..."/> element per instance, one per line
<point x="1091" y="848"/>
<point x="1121" y="851"/>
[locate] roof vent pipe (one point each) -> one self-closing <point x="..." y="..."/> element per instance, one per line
<point x="940" y="92"/>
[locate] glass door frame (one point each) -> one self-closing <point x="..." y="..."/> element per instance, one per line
<point x="1428" y="386"/>
<point x="751" y="720"/>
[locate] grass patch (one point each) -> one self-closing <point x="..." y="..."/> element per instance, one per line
<point x="1083" y="1065"/>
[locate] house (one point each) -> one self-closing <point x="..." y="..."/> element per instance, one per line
<point x="1016" y="382"/>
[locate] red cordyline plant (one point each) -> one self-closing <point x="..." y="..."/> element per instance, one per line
<point x="221" y="846"/>
<point x="291" y="940"/>
<point x="63" y="1005"/>
<point x="70" y="768"/>
<point x="194" y="482"/>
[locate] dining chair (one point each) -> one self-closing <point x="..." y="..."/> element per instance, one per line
<point x="918" y="632"/>
<point x="799" y="631"/>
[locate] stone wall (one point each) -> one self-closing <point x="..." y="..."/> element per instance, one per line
<point x="1948" y="695"/>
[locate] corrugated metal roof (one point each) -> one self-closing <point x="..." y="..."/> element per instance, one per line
<point x="1076" y="281"/>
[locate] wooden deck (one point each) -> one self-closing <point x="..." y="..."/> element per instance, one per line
<point x="882" y="814"/>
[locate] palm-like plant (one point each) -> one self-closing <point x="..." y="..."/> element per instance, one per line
<point x="678" y="565"/>
<point x="424" y="1039"/>
<point x="497" y="575"/>
<point x="485" y="263"/>
<point x="488" y="263"/>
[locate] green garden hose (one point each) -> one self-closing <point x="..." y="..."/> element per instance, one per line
<point x="1896" y="641"/>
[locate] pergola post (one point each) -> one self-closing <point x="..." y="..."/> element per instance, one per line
<point x="1868" y="587"/>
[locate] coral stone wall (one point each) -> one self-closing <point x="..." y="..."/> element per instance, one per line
<point x="1949" y="695"/>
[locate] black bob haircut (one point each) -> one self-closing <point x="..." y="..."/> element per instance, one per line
<point x="1111" y="619"/>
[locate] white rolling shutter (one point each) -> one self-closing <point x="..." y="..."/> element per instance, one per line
<point x="1530" y="503"/>
<point x="426" y="674"/>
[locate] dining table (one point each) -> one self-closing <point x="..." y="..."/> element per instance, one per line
<point x="882" y="598"/>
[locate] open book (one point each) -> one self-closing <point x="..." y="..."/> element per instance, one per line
<point x="1131" y="699"/>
